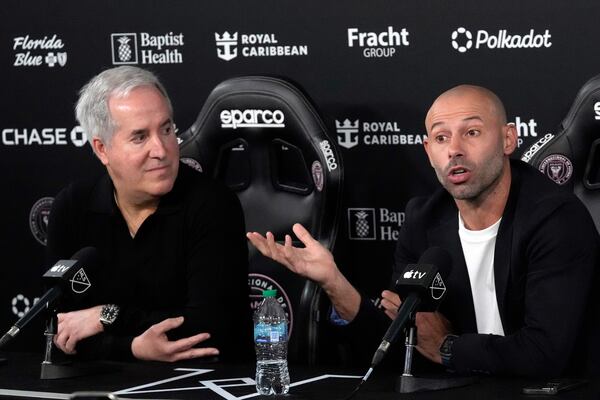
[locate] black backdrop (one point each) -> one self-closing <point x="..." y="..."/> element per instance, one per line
<point x="372" y="93"/>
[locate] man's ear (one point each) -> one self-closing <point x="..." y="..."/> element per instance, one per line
<point x="426" y="147"/>
<point x="509" y="138"/>
<point x="100" y="149"/>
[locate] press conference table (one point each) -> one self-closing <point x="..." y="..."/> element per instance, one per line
<point x="19" y="378"/>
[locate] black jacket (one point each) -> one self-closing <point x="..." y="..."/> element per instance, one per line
<point x="188" y="258"/>
<point x="547" y="250"/>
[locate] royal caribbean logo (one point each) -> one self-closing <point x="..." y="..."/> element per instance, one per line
<point x="374" y="224"/>
<point x="351" y="133"/>
<point x="38" y="219"/>
<point x="33" y="51"/>
<point x="254" y="45"/>
<point x="43" y="136"/>
<point x="463" y="40"/>
<point x="378" y="44"/>
<point x="149" y="49"/>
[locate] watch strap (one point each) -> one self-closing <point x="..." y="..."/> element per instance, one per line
<point x="446" y="350"/>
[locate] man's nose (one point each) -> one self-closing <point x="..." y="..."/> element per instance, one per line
<point x="455" y="149"/>
<point x="157" y="147"/>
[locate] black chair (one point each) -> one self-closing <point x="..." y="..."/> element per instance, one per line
<point x="263" y="138"/>
<point x="571" y="157"/>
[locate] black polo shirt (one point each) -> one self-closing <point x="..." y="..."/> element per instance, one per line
<point x="188" y="258"/>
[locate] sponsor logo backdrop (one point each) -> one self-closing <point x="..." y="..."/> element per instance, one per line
<point x="371" y="70"/>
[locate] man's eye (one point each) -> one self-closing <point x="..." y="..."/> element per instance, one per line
<point x="441" y="138"/>
<point x="473" y="132"/>
<point x="138" y="138"/>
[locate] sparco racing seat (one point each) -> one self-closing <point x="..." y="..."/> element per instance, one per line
<point x="571" y="158"/>
<point x="262" y="137"/>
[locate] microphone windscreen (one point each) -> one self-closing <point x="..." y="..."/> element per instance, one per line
<point x="438" y="257"/>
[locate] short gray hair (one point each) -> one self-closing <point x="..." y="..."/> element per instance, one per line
<point x="92" y="110"/>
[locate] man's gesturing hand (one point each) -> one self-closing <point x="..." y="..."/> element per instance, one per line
<point x="313" y="261"/>
<point x="154" y="344"/>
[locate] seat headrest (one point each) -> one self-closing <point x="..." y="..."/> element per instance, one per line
<point x="571" y="157"/>
<point x="264" y="139"/>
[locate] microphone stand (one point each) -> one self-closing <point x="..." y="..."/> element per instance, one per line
<point x="56" y="365"/>
<point x="407" y="383"/>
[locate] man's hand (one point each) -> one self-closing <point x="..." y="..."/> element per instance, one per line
<point x="75" y="326"/>
<point x="314" y="262"/>
<point x="154" y="344"/>
<point x="432" y="327"/>
<point x="390" y="301"/>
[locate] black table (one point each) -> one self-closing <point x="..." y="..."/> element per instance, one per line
<point x="19" y="378"/>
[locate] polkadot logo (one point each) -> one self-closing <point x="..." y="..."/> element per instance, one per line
<point x="456" y="40"/>
<point x="20" y="305"/>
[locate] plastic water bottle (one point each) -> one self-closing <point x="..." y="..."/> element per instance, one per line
<point x="270" y="339"/>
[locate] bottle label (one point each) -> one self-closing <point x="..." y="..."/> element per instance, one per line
<point x="265" y="333"/>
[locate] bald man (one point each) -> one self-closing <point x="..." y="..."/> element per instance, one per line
<point x="523" y="252"/>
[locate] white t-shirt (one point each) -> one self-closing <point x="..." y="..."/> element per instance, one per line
<point x="478" y="248"/>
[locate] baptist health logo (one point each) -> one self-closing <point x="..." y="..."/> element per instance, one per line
<point x="254" y="45"/>
<point x="35" y="52"/>
<point x="374" y="133"/>
<point x="374" y="224"/>
<point x="150" y="49"/>
<point x="463" y="40"/>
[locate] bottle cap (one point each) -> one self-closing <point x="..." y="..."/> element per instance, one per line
<point x="269" y="293"/>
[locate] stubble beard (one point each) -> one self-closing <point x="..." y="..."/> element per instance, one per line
<point x="488" y="176"/>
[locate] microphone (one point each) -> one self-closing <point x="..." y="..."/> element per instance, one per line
<point x="421" y="287"/>
<point x="59" y="276"/>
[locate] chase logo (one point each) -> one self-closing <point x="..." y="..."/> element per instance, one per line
<point x="124" y="48"/>
<point x="361" y="224"/>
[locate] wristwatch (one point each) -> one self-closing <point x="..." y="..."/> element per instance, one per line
<point x="446" y="350"/>
<point x="109" y="314"/>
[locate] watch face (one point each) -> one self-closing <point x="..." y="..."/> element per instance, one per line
<point x="109" y="314"/>
<point x="446" y="347"/>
